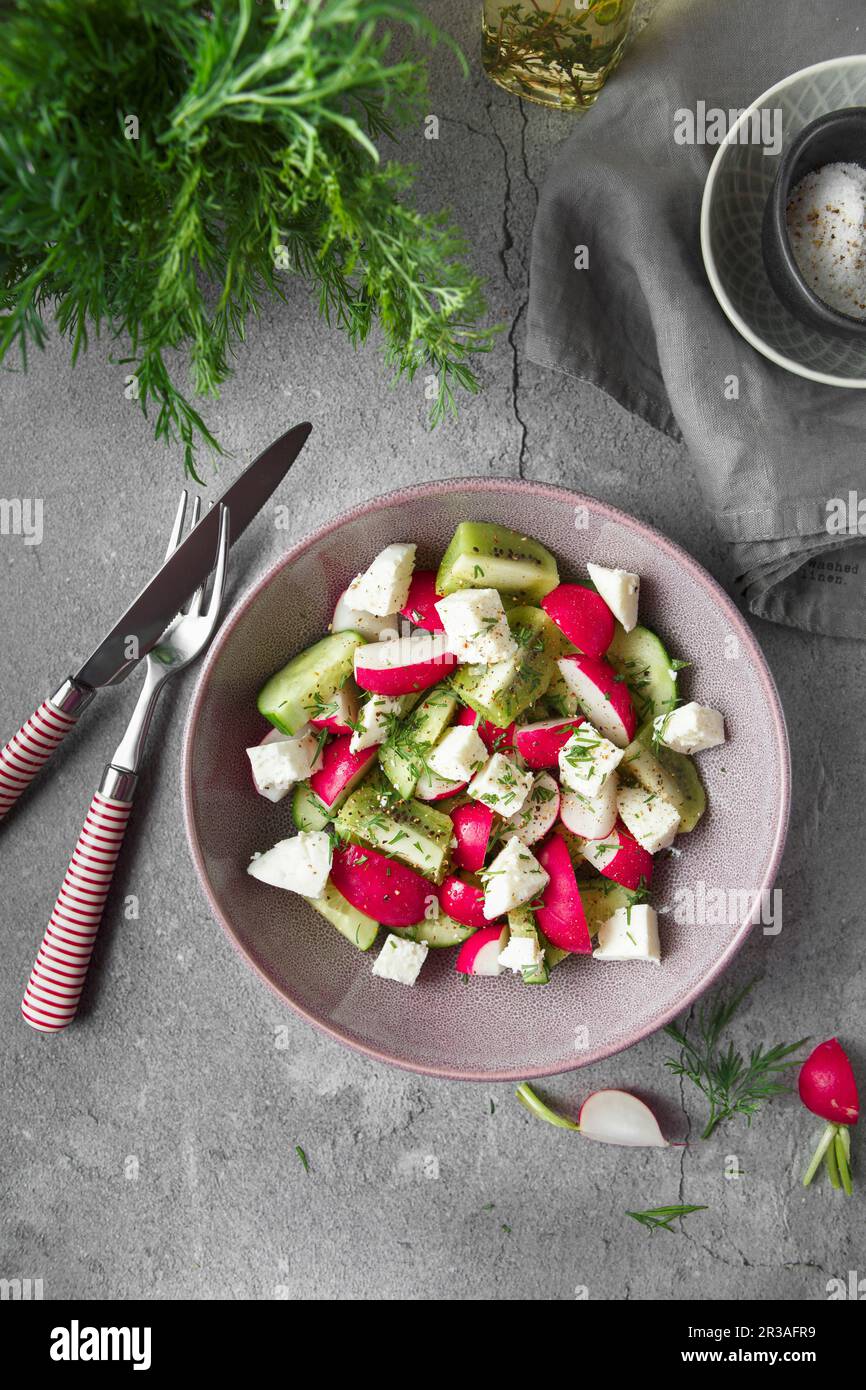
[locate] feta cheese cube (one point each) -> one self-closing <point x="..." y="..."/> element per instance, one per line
<point x="691" y="728"/>
<point x="349" y="616"/>
<point x="476" y="626"/>
<point x="400" y="960"/>
<point x="300" y="864"/>
<point x="620" y="590"/>
<point x="514" y="878"/>
<point x="587" y="760"/>
<point x="632" y="933"/>
<point x="501" y="785"/>
<point x="383" y="588"/>
<point x="280" y="762"/>
<point x="375" y="718"/>
<point x="458" y="754"/>
<point x="653" y="821"/>
<point x="521" y="953"/>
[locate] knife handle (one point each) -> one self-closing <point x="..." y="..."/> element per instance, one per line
<point x="51" y="998"/>
<point x="29" y="750"/>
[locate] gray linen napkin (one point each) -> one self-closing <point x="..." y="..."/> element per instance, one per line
<point x="642" y="323"/>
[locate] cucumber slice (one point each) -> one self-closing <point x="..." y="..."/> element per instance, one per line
<point x="641" y="659"/>
<point x="402" y="756"/>
<point x="553" y="955"/>
<point x="601" y="900"/>
<point x="532" y="625"/>
<point x="483" y="556"/>
<point x="683" y="786"/>
<point x="439" y="931"/>
<point x="504" y="690"/>
<point x="308" y="812"/>
<point x="309" y="680"/>
<point x="356" y="926"/>
<point x="557" y="702"/>
<point x="521" y="922"/>
<point x="406" y="830"/>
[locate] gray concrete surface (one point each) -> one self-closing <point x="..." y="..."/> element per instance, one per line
<point x="150" y="1152"/>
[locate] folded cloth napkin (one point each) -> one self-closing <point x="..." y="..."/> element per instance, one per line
<point x="641" y="322"/>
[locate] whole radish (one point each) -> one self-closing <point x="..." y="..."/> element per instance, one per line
<point x="828" y="1088"/>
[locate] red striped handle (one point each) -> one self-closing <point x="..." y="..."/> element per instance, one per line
<point x="57" y="979"/>
<point x="29" y="750"/>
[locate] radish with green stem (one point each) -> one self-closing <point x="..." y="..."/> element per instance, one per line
<point x="608" y="1117"/>
<point x="828" y="1088"/>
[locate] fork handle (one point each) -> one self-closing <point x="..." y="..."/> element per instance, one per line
<point x="51" y="998"/>
<point x="29" y="750"/>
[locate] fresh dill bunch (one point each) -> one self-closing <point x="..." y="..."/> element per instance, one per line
<point x="164" y="164"/>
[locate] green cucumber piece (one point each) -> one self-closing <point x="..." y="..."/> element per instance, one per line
<point x="439" y="931"/>
<point x="682" y="782"/>
<point x="532" y="625"/>
<point x="309" y="680"/>
<point x="402" y="755"/>
<point x="553" y="955"/>
<point x="601" y="899"/>
<point x="521" y="922"/>
<point x="356" y="926"/>
<point x="406" y="830"/>
<point x="483" y="556"/>
<point x="641" y="659"/>
<point x="308" y="812"/>
<point x="504" y="690"/>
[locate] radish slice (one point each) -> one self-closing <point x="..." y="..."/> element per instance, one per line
<point x="431" y="787"/>
<point x="619" y="856"/>
<point x="381" y="888"/>
<point x="462" y="901"/>
<point x="418" y="607"/>
<point x="540" y="811"/>
<point x="339" y="714"/>
<point x="340" y="772"/>
<point x="603" y="697"/>
<point x="561" y="916"/>
<point x="495" y="740"/>
<point x="472" y="827"/>
<point x="582" y="615"/>
<point x="590" y="817"/>
<point x="827" y="1084"/>
<point x="480" y="954"/>
<point x="617" y="1117"/>
<point x="539" y="744"/>
<point x="404" y="664"/>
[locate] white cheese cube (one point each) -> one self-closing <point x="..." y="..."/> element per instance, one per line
<point x="458" y="754"/>
<point x="514" y="878"/>
<point x="476" y="626"/>
<point x="375" y="718"/>
<point x="400" y="960"/>
<point x="350" y="616"/>
<point x="620" y="590"/>
<point x="521" y="953"/>
<point x="277" y="764"/>
<point x="632" y="933"/>
<point x="301" y="864"/>
<point x="587" y="760"/>
<point x="501" y="785"/>
<point x="653" y="821"/>
<point x="383" y="588"/>
<point x="691" y="728"/>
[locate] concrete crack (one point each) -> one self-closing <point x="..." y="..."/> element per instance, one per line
<point x="507" y="245"/>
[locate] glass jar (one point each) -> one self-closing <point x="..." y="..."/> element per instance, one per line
<point x="556" y="52"/>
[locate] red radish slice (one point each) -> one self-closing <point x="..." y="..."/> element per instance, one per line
<point x="462" y="901"/>
<point x="582" y="615"/>
<point x="495" y="740"/>
<point x="539" y="813"/>
<point x="430" y="787"/>
<point x="539" y="744"/>
<point x="619" y="856"/>
<point x="479" y="955"/>
<point x="404" y="664"/>
<point x="602" y="695"/>
<point x="561" y="916"/>
<point x="590" y="817"/>
<point x="472" y="827"/>
<point x="617" y="1117"/>
<point x="419" y="605"/>
<point x="827" y="1084"/>
<point x="340" y="772"/>
<point x="380" y="887"/>
<point x="342" y="713"/>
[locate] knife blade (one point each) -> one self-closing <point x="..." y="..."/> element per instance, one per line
<point x="140" y="627"/>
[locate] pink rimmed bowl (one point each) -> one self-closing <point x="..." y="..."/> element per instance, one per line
<point x="490" y="1029"/>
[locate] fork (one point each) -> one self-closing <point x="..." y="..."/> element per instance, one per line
<point x="51" y="998"/>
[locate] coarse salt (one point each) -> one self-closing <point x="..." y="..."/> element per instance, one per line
<point x="826" y="218"/>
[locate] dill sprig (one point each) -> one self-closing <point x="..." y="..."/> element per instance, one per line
<point x="660" y="1218"/>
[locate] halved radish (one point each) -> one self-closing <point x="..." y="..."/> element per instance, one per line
<point x="827" y="1085"/>
<point x="430" y="787"/>
<point x="462" y="901"/>
<point x="480" y="954"/>
<point x="619" y="856"/>
<point x="591" y="817"/>
<point x="340" y="772"/>
<point x="403" y="664"/>
<point x="582" y="615"/>
<point x="603" y="696"/>
<point x="561" y="916"/>
<point x="418" y="607"/>
<point x="339" y="714"/>
<point x="618" y="1117"/>
<point x="387" y="891"/>
<point x="472" y="826"/>
<point x="539" y="812"/>
<point x="495" y="740"/>
<point x="539" y="744"/>
<point x="350" y="619"/>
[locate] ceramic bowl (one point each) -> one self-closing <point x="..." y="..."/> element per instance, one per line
<point x="489" y="1029"/>
<point x="738" y="187"/>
